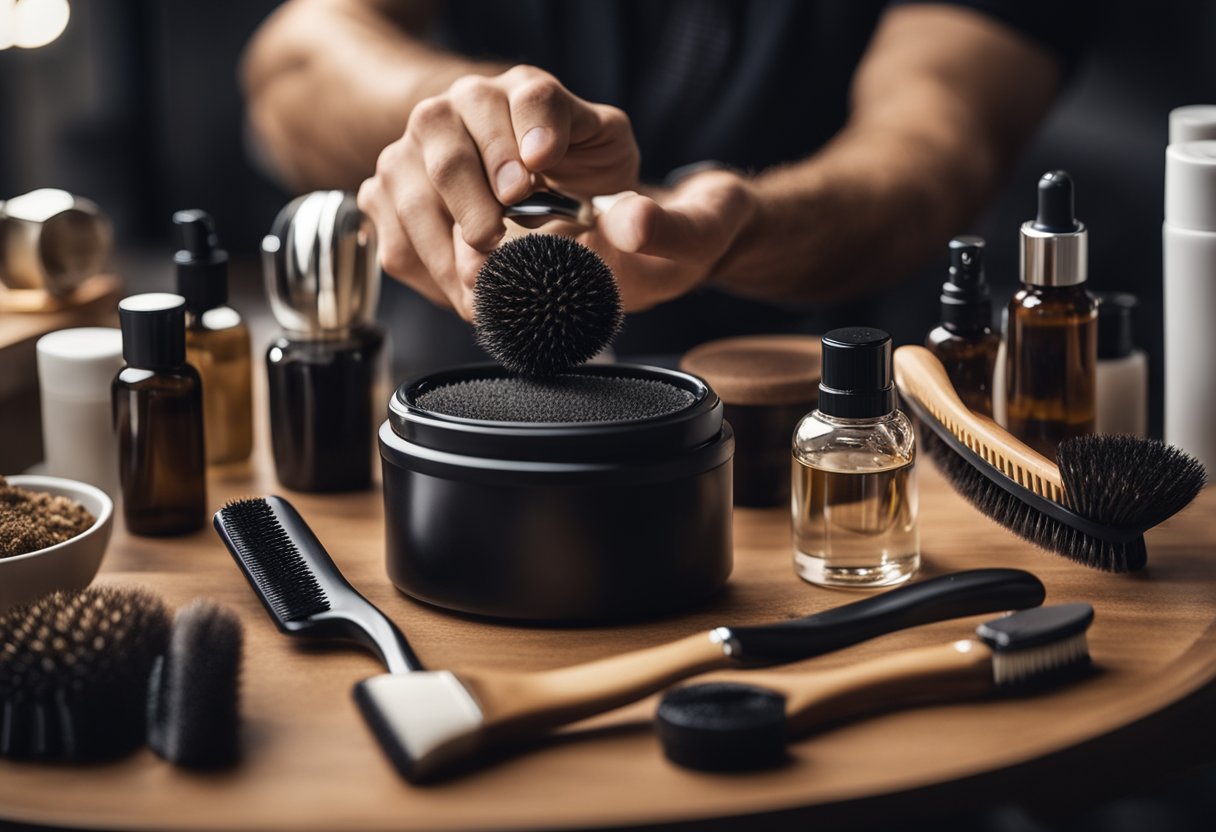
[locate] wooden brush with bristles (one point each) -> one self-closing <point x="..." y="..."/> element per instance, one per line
<point x="1093" y="506"/>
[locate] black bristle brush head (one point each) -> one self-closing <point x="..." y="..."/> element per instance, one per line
<point x="544" y="303"/>
<point x="74" y="670"/>
<point x="193" y="695"/>
<point x="1119" y="482"/>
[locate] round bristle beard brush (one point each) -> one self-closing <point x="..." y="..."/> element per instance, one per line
<point x="73" y="673"/>
<point x="544" y="304"/>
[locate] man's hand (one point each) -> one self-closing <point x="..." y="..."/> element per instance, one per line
<point x="437" y="195"/>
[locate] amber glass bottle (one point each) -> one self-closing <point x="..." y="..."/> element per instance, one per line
<point x="217" y="340"/>
<point x="965" y="342"/>
<point x="1052" y="338"/>
<point x="158" y="418"/>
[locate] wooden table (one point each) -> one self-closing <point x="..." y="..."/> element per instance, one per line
<point x="311" y="764"/>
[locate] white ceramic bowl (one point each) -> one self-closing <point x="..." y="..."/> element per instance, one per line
<point x="68" y="565"/>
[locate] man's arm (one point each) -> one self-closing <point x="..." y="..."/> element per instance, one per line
<point x="329" y="83"/>
<point x="942" y="103"/>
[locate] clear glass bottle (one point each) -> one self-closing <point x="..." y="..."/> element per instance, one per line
<point x="854" y="499"/>
<point x="217" y="340"/>
<point x="1052" y="337"/>
<point x="965" y="342"/>
<point x="158" y="417"/>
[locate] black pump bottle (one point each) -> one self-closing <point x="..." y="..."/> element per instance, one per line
<point x="964" y="341"/>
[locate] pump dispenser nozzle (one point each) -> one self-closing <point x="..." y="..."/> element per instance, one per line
<point x="202" y="266"/>
<point x="965" y="301"/>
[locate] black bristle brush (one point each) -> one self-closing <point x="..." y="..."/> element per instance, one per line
<point x="74" y="672"/>
<point x="544" y="303"/>
<point x="1094" y="507"/>
<point x="744" y="722"/>
<point x="299" y="584"/>
<point x="193" y="693"/>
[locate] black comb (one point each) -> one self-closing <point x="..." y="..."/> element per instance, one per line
<point x="299" y="584"/>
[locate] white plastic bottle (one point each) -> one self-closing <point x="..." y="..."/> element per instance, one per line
<point x="1122" y="375"/>
<point x="1189" y="269"/>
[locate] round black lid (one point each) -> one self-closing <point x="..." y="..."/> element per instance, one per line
<point x="966" y="305"/>
<point x="1115" y="330"/>
<point x="857" y="379"/>
<point x="202" y="266"/>
<point x="722" y="726"/>
<point x="153" y="330"/>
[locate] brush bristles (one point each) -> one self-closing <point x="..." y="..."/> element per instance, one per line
<point x="544" y="303"/>
<point x="1026" y="522"/>
<point x="1034" y="665"/>
<point x="273" y="560"/>
<point x="1127" y="482"/>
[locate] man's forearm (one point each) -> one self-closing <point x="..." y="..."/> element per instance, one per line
<point x="942" y="104"/>
<point x="329" y="83"/>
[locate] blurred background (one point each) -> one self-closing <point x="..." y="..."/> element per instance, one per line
<point x="136" y="105"/>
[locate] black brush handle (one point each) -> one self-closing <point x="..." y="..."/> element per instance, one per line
<point x="960" y="594"/>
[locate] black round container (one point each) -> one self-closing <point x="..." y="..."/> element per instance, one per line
<point x="558" y="521"/>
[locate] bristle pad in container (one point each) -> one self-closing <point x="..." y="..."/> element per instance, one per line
<point x="563" y="398"/>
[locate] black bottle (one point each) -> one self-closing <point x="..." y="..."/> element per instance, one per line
<point x="158" y="417"/>
<point x="965" y="342"/>
<point x="322" y="281"/>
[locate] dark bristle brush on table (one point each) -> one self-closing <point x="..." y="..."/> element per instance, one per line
<point x="545" y="303"/>
<point x="745" y="723"/>
<point x="299" y="584"/>
<point x="74" y="670"/>
<point x="1094" y="507"/>
<point x="433" y="723"/>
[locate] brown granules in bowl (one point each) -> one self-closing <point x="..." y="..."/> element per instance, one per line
<point x="33" y="520"/>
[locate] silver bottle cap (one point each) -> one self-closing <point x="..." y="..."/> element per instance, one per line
<point x="320" y="265"/>
<point x="1052" y="259"/>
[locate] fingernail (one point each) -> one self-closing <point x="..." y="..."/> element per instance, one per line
<point x="534" y="141"/>
<point x="509" y="176"/>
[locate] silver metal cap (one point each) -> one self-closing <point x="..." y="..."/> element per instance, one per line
<point x="320" y="265"/>
<point x="1053" y="259"/>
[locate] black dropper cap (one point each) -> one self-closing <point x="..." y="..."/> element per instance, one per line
<point x="153" y="330"/>
<point x="1057" y="214"/>
<point x="202" y="266"/>
<point x="1115" y="331"/>
<point x="857" y="379"/>
<point x="966" y="305"/>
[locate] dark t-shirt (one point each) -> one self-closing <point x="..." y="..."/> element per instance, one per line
<point x="750" y="84"/>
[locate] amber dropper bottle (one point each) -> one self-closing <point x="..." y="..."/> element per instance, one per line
<point x="158" y="417"/>
<point x="1052" y="348"/>
<point x="217" y="340"/>
<point x="965" y="342"/>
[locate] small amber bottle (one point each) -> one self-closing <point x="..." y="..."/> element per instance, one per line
<point x="965" y="342"/>
<point x="1052" y="347"/>
<point x="217" y="340"/>
<point x="158" y="418"/>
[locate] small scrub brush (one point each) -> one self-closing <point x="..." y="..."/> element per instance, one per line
<point x="544" y="303"/>
<point x="74" y="672"/>
<point x="1093" y="507"/>
<point x="193" y="693"/>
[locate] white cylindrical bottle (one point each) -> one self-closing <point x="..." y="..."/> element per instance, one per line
<point x="1122" y="376"/>
<point x="75" y="369"/>
<point x="1189" y="270"/>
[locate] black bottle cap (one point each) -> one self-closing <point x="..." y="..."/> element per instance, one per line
<point x="857" y="379"/>
<point x="153" y="330"/>
<point x="966" y="305"/>
<point x="202" y="266"/>
<point x="1115" y="331"/>
<point x="1056" y="211"/>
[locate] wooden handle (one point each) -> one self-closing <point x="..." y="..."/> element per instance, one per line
<point x="920" y="375"/>
<point x="519" y="705"/>
<point x="814" y="699"/>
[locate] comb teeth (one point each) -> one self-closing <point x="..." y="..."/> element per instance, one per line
<point x="1035" y="664"/>
<point x="273" y="560"/>
<point x="993" y="456"/>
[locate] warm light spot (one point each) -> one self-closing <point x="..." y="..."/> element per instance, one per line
<point x="32" y="23"/>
